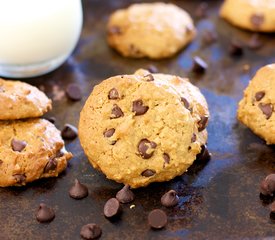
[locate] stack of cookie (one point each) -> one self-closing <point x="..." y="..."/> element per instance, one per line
<point x="30" y="148"/>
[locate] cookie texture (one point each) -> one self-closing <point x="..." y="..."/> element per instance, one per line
<point x="144" y="127"/>
<point x="30" y="150"/>
<point x="20" y="100"/>
<point x="254" y="15"/>
<point x="153" y="30"/>
<point x="256" y="109"/>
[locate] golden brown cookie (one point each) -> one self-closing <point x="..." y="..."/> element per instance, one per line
<point x="144" y="127"/>
<point x="254" y="15"/>
<point x="20" y="100"/>
<point x="153" y="30"/>
<point x="30" y="150"/>
<point x="256" y="109"/>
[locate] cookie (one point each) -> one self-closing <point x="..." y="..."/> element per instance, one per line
<point x="256" y="109"/>
<point x="153" y="30"/>
<point x="30" y="150"/>
<point x="254" y="15"/>
<point x="20" y="100"/>
<point x="144" y="127"/>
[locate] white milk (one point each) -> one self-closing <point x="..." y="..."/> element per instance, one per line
<point x="37" y="36"/>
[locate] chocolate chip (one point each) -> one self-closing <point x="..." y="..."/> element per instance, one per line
<point x="115" y="30"/>
<point x="125" y="195"/>
<point x="186" y="103"/>
<point x="202" y="123"/>
<point x="199" y="65"/>
<point x="194" y="138"/>
<point x="113" y="94"/>
<point x="2" y="89"/>
<point x="170" y="199"/>
<point x="267" y="186"/>
<point x="20" y="178"/>
<point x="259" y="95"/>
<point x="209" y="37"/>
<point x="257" y="20"/>
<point x="153" y="69"/>
<point x="17" y="145"/>
<point x="236" y="49"/>
<point x="272" y="211"/>
<point x="109" y="133"/>
<point x="149" y="78"/>
<point x="146" y="148"/>
<point x="112" y="208"/>
<point x="44" y="213"/>
<point x="157" y="219"/>
<point x="204" y="155"/>
<point x="148" y="173"/>
<point x="74" y="92"/>
<point x="78" y="190"/>
<point x="51" y="165"/>
<point x="1" y="162"/>
<point x="90" y="231"/>
<point x="255" y="42"/>
<point x="116" y="112"/>
<point x="201" y="10"/>
<point x="69" y="132"/>
<point x="166" y="158"/>
<point x="138" y="108"/>
<point x="267" y="109"/>
<point x="51" y="119"/>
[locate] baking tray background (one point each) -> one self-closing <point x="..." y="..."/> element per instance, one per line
<point x="218" y="199"/>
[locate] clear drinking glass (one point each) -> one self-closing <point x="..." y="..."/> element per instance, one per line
<point x="37" y="36"/>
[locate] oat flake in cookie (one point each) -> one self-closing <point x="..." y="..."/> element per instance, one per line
<point x="30" y="150"/>
<point x="155" y="145"/>
<point x="20" y="100"/>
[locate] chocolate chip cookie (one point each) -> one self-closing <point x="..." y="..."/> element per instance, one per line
<point x="256" y="109"/>
<point x="30" y="150"/>
<point x="153" y="30"/>
<point x="20" y="100"/>
<point x="144" y="127"/>
<point x="254" y="15"/>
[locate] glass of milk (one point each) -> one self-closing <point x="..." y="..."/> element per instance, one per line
<point x="37" y="36"/>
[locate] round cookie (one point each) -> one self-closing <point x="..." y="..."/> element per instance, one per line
<point x="20" y="100"/>
<point x="256" y="109"/>
<point x="30" y="150"/>
<point x="254" y="15"/>
<point x="143" y="128"/>
<point x="153" y="30"/>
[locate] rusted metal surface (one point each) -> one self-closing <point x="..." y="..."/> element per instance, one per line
<point x="218" y="200"/>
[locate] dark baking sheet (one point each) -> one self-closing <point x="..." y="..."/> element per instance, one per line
<point x="218" y="200"/>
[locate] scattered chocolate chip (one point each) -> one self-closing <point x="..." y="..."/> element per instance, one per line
<point x="149" y="78"/>
<point x="201" y="10"/>
<point x="148" y="173"/>
<point x="153" y="69"/>
<point x="170" y="199"/>
<point x="125" y="195"/>
<point x="113" y="94"/>
<point x="257" y="20"/>
<point x="138" y="108"/>
<point x="259" y="95"/>
<point x="209" y="37"/>
<point x="1" y="162"/>
<point x="267" y="109"/>
<point x="157" y="219"/>
<point x="116" y="112"/>
<point x="44" y="213"/>
<point x="133" y="49"/>
<point x="267" y="187"/>
<point x="199" y="65"/>
<point x="166" y="158"/>
<point x="204" y="155"/>
<point x="51" y="165"/>
<point x="74" y="92"/>
<point x="17" y="145"/>
<point x="236" y="49"/>
<point x="69" y="132"/>
<point x="146" y="148"/>
<point x="109" y="133"/>
<point x="272" y="211"/>
<point x="78" y="190"/>
<point x="194" y="138"/>
<point x="186" y="103"/>
<point x="90" y="231"/>
<point x="20" y="178"/>
<point x="51" y="119"/>
<point x="202" y="123"/>
<point x="2" y="89"/>
<point x="115" y="30"/>
<point x="255" y="42"/>
<point x="112" y="208"/>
